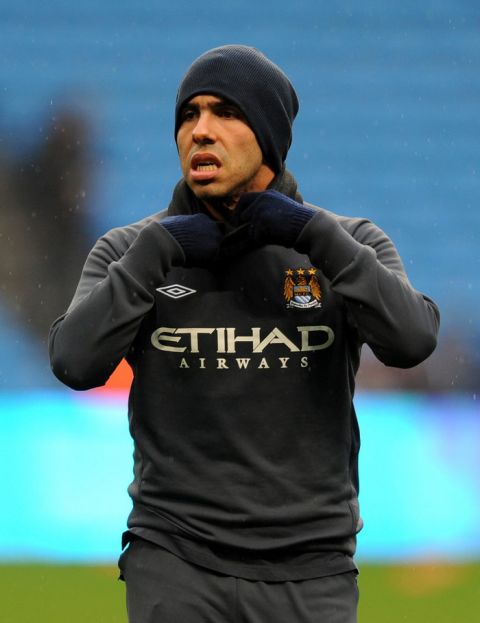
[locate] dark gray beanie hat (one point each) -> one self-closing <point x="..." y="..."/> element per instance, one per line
<point x="256" y="85"/>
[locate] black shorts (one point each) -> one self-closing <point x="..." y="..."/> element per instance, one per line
<point x="163" y="588"/>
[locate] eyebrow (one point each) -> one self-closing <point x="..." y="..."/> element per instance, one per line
<point x="215" y="106"/>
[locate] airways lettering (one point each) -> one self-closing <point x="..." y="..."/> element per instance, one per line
<point x="181" y="340"/>
<point x="240" y="363"/>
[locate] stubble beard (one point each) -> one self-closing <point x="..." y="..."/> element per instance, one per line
<point x="224" y="205"/>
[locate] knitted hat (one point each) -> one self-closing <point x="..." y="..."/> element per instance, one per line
<point x="261" y="90"/>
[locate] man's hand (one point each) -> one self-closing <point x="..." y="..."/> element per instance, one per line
<point x="274" y="218"/>
<point x="197" y="234"/>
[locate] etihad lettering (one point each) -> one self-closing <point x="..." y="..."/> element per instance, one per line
<point x="225" y="340"/>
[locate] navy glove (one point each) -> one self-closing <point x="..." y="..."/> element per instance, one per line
<point x="197" y="234"/>
<point x="274" y="218"/>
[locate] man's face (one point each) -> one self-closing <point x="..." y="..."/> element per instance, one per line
<point x="219" y="153"/>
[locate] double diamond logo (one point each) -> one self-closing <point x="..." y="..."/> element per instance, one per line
<point x="176" y="291"/>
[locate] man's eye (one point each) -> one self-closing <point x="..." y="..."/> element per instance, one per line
<point x="229" y="113"/>
<point x="188" y="115"/>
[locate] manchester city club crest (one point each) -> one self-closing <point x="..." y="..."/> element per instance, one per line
<point x="301" y="288"/>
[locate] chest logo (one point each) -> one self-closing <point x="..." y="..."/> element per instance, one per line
<point x="176" y="291"/>
<point x="301" y="288"/>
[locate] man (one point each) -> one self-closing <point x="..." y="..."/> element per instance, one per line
<point x="242" y="311"/>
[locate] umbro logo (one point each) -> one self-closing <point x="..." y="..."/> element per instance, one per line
<point x="176" y="291"/>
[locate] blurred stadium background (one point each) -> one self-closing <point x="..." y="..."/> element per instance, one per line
<point x="388" y="129"/>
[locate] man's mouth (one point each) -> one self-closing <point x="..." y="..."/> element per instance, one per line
<point x="204" y="166"/>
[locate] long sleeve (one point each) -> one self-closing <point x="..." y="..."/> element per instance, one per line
<point x="395" y="320"/>
<point x="114" y="294"/>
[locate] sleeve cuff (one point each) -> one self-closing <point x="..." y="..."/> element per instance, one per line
<point x="328" y="245"/>
<point x="152" y="254"/>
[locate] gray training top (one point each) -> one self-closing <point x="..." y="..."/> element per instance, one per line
<point x="241" y="408"/>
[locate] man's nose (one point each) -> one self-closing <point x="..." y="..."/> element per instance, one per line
<point x="203" y="130"/>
